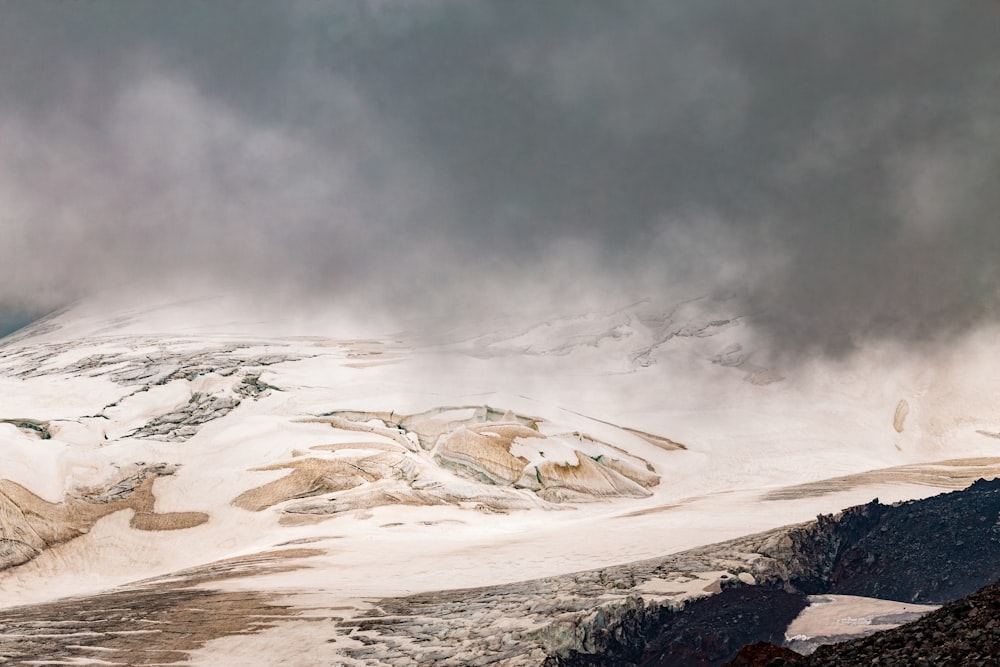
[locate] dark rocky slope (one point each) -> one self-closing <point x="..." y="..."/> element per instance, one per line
<point x="932" y="551"/>
<point x="929" y="551"/>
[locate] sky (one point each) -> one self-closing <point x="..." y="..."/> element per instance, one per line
<point x="831" y="166"/>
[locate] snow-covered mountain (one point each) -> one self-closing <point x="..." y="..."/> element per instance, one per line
<point x="325" y="466"/>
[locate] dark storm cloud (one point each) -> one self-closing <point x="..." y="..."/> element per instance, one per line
<point x="832" y="164"/>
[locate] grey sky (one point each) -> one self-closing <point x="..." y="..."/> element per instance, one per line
<point x="834" y="164"/>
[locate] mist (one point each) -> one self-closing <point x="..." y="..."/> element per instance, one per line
<point x="833" y="166"/>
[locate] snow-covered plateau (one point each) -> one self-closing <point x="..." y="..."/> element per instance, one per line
<point x="198" y="481"/>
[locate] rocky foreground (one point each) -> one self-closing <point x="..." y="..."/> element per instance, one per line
<point x="964" y="633"/>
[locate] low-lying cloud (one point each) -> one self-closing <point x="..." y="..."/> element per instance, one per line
<point x="831" y="164"/>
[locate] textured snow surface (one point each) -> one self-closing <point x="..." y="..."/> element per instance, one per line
<point x="415" y="461"/>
